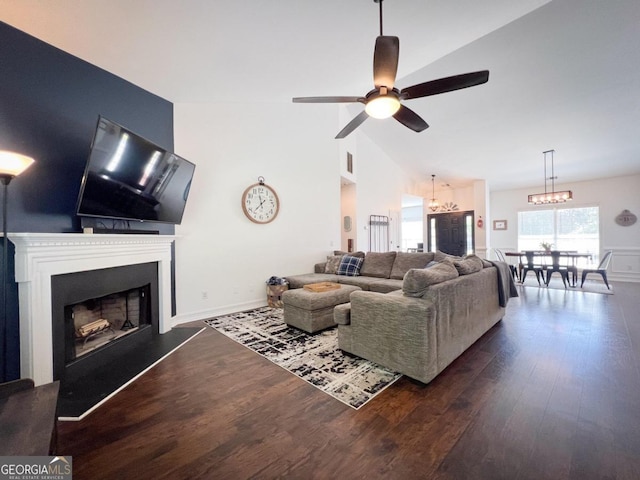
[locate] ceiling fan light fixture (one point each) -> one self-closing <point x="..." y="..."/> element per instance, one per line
<point x="385" y="99"/>
<point x="382" y="106"/>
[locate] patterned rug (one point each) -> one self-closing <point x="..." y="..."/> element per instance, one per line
<point x="314" y="358"/>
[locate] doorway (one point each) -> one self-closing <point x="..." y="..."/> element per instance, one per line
<point x="451" y="232"/>
<point x="348" y="230"/>
<point x="412" y="230"/>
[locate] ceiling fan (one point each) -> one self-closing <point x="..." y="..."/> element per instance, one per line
<point x="385" y="100"/>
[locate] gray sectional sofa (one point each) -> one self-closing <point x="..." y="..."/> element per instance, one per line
<point x="380" y="272"/>
<point x="417" y="320"/>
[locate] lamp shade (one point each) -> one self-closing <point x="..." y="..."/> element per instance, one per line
<point x="382" y="106"/>
<point x="13" y="164"/>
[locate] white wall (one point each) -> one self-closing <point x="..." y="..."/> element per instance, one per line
<point x="348" y="208"/>
<point x="223" y="259"/>
<point x="220" y="254"/>
<point x="612" y="195"/>
<point x="380" y="186"/>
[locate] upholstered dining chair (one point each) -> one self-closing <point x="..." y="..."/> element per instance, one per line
<point x="600" y="270"/>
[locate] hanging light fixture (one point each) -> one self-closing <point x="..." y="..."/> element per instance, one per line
<point x="433" y="203"/>
<point x="552" y="196"/>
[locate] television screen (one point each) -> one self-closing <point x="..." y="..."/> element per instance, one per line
<point x="128" y="177"/>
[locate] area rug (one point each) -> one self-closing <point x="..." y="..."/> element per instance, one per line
<point x="590" y="286"/>
<point x="314" y="358"/>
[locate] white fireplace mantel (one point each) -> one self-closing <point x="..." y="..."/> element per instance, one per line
<point x="39" y="256"/>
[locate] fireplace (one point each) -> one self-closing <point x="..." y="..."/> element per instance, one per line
<point x="99" y="315"/>
<point x="44" y="259"/>
<point x="95" y="323"/>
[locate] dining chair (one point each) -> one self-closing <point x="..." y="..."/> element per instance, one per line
<point x="501" y="257"/>
<point x="570" y="263"/>
<point x="555" y="266"/>
<point x="600" y="270"/>
<point x="530" y="266"/>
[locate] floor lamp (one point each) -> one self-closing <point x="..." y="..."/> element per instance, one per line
<point x="11" y="165"/>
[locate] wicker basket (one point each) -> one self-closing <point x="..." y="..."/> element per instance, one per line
<point x="274" y="295"/>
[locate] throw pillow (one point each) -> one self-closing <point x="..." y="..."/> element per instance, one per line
<point x="469" y="264"/>
<point x="441" y="256"/>
<point x="417" y="280"/>
<point x="333" y="262"/>
<point x="350" y="266"/>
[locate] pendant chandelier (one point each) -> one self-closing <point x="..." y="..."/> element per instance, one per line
<point x="552" y="196"/>
<point x="433" y="203"/>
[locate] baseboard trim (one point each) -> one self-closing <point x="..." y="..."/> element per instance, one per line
<point x="216" y="312"/>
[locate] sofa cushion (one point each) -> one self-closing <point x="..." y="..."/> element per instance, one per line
<point x="363" y="282"/>
<point x="350" y="266"/>
<point x="469" y="264"/>
<point x="378" y="264"/>
<point x="333" y="262"/>
<point x="405" y="261"/>
<point x="417" y="280"/>
<point x="358" y="254"/>
<point x="385" y="285"/>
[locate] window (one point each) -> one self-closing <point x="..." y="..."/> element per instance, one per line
<point x="432" y="234"/>
<point x="412" y="229"/>
<point x="468" y="220"/>
<point x="565" y="228"/>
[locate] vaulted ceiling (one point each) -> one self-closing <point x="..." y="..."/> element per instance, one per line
<point x="565" y="74"/>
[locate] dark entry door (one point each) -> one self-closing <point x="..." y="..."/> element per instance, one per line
<point x="453" y="232"/>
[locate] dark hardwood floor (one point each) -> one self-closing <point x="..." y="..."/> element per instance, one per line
<point x="551" y="392"/>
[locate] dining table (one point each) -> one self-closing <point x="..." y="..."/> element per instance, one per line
<point x="544" y="257"/>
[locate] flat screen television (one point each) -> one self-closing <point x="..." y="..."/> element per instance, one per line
<point x="127" y="177"/>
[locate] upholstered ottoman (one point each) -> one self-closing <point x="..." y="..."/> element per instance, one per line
<point x="313" y="311"/>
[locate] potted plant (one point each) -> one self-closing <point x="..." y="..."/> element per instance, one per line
<point x="546" y="246"/>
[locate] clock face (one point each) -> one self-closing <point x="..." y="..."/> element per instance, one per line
<point x="260" y="203"/>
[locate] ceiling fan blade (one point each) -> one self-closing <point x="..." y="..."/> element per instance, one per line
<point x="353" y="124"/>
<point x="385" y="61"/>
<point x="328" y="99"/>
<point x="410" y="119"/>
<point x="443" y="85"/>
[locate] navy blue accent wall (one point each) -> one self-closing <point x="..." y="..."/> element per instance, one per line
<point x="49" y="106"/>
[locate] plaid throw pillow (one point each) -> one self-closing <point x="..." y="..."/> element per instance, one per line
<point x="350" y="266"/>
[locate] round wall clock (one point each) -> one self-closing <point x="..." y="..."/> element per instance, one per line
<point x="260" y="202"/>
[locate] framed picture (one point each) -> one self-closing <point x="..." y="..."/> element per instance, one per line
<point x="499" y="224"/>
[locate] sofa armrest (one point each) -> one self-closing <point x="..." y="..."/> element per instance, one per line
<point x="396" y="331"/>
<point x="342" y="314"/>
<point x="319" y="267"/>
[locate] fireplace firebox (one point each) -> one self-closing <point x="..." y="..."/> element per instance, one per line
<point x="99" y="315"/>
